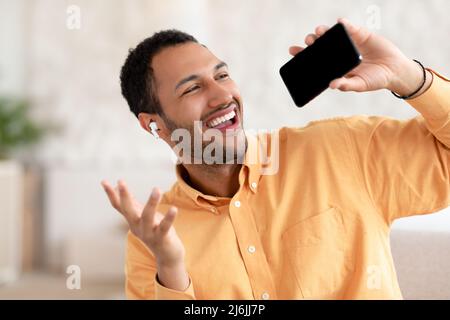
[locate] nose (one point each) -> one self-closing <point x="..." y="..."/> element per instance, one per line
<point x="218" y="95"/>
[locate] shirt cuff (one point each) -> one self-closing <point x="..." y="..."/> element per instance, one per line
<point x="163" y="293"/>
<point x="434" y="103"/>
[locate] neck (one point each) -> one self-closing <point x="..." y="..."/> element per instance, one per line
<point x="216" y="180"/>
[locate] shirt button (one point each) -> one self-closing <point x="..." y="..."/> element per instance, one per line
<point x="254" y="184"/>
<point x="237" y="204"/>
<point x="265" y="296"/>
<point x="251" y="249"/>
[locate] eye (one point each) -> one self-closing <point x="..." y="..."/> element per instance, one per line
<point x="193" y="88"/>
<point x="223" y="76"/>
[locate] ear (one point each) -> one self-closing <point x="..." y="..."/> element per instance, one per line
<point x="146" y="118"/>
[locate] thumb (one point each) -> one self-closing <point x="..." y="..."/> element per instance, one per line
<point x="354" y="83"/>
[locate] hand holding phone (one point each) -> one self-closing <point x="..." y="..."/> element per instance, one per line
<point x="309" y="73"/>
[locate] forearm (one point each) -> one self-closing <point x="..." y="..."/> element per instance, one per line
<point x="173" y="277"/>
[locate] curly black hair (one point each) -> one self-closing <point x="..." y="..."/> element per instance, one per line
<point x="137" y="78"/>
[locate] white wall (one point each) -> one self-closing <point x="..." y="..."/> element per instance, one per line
<point x="12" y="47"/>
<point x="438" y="221"/>
<point x="72" y="79"/>
<point x="11" y="186"/>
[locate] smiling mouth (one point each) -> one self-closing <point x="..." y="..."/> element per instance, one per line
<point x="227" y="121"/>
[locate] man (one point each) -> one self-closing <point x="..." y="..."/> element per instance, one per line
<point x="319" y="226"/>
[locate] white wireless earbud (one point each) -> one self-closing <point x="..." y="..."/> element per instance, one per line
<point x="154" y="129"/>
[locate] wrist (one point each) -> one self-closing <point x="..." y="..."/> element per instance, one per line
<point x="172" y="260"/>
<point x="409" y="79"/>
<point x="173" y="276"/>
<point x="172" y="264"/>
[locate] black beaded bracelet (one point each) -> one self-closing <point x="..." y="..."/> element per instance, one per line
<point x="420" y="88"/>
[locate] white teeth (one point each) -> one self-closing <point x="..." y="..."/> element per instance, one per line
<point x="221" y="119"/>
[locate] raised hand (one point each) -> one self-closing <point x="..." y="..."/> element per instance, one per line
<point x="384" y="66"/>
<point x="150" y="226"/>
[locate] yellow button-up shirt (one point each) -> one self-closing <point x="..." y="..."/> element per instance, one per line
<point x="316" y="224"/>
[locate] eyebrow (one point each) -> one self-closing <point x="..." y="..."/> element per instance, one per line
<point x="195" y="76"/>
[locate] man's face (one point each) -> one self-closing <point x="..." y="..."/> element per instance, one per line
<point x="194" y="85"/>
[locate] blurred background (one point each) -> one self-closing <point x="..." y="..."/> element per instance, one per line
<point x="65" y="126"/>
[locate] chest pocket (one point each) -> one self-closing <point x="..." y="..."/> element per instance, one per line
<point x="318" y="254"/>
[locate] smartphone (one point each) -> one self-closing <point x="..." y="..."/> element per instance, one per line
<point x="310" y="72"/>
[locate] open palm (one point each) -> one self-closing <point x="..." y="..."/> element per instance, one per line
<point x="153" y="228"/>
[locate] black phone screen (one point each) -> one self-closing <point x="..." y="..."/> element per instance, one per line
<point x="310" y="72"/>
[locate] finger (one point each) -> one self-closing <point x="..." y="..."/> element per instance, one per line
<point x="148" y="214"/>
<point x="349" y="84"/>
<point x="126" y="202"/>
<point x="168" y="220"/>
<point x="293" y="50"/>
<point x="112" y="195"/>
<point x="335" y="83"/>
<point x="310" y="38"/>
<point x="135" y="205"/>
<point x="358" y="34"/>
<point x="351" y="28"/>
<point x="320" y="30"/>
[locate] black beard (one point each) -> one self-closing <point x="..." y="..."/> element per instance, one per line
<point x="238" y="152"/>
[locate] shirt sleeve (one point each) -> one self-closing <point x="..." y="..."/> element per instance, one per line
<point x="404" y="164"/>
<point x="141" y="275"/>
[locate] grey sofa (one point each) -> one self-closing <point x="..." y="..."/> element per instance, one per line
<point x="422" y="261"/>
